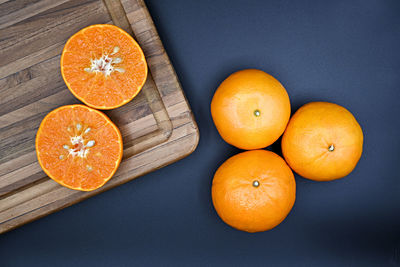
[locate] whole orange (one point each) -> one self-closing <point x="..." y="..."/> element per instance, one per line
<point x="322" y="142"/>
<point x="250" y="109"/>
<point x="254" y="191"/>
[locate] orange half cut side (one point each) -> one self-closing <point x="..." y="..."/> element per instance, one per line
<point x="103" y="66"/>
<point x="79" y="147"/>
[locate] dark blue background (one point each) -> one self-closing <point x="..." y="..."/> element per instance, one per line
<point x="345" y="52"/>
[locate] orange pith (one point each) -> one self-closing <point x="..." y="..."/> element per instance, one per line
<point x="79" y="147"/>
<point x="103" y="66"/>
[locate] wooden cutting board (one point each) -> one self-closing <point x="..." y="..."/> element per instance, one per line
<point x="158" y="127"/>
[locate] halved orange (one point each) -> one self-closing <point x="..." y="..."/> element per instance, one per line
<point x="79" y="147"/>
<point x="103" y="66"/>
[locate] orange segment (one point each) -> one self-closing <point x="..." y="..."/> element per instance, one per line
<point x="103" y="66"/>
<point x="78" y="147"/>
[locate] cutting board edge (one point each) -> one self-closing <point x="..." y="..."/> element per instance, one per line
<point x="181" y="142"/>
<point x="7" y="227"/>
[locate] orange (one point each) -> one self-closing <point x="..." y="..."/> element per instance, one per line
<point x="250" y="109"/>
<point x="254" y="191"/>
<point x="322" y="142"/>
<point x="103" y="66"/>
<point x="78" y="147"/>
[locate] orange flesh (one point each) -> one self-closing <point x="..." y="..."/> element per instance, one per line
<point x="78" y="147"/>
<point x="103" y="66"/>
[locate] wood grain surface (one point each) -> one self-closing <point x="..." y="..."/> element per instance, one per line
<point x="158" y="127"/>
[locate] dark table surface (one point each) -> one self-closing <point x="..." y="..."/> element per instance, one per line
<point x="347" y="52"/>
